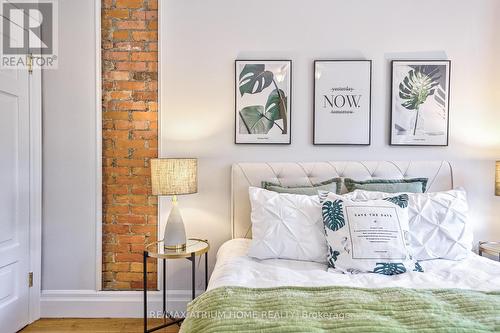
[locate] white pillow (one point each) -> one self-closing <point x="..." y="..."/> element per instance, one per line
<point x="438" y="223"/>
<point x="367" y="236"/>
<point x="286" y="226"/>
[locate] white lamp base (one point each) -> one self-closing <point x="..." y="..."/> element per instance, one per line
<point x="175" y="233"/>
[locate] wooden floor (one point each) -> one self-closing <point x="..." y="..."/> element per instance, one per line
<point x="94" y="325"/>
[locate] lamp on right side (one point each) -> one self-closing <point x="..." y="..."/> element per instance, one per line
<point x="497" y="178"/>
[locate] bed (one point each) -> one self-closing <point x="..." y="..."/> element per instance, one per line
<point x="277" y="295"/>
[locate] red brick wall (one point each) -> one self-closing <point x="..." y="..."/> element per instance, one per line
<point x="130" y="139"/>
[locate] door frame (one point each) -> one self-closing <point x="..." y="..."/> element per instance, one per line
<point x="98" y="146"/>
<point x="35" y="191"/>
<point x="35" y="220"/>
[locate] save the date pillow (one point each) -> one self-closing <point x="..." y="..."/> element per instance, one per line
<point x="439" y="224"/>
<point x="367" y="236"/>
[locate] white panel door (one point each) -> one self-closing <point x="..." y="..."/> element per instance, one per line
<point x="14" y="199"/>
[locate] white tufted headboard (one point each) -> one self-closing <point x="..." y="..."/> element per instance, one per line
<point x="245" y="175"/>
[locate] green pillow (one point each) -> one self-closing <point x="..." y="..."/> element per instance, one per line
<point x="332" y="185"/>
<point x="412" y="185"/>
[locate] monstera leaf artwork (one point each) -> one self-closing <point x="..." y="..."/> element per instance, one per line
<point x="254" y="78"/>
<point x="254" y="120"/>
<point x="276" y="105"/>
<point x="420" y="102"/>
<point x="417" y="86"/>
<point x="389" y="268"/>
<point x="418" y="268"/>
<point x="401" y="200"/>
<point x="333" y="216"/>
<point x="257" y="83"/>
<point x="257" y="119"/>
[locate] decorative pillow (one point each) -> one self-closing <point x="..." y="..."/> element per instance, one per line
<point x="286" y="226"/>
<point x="331" y="185"/>
<point x="367" y="236"/>
<point x="438" y="222"/>
<point x="413" y="185"/>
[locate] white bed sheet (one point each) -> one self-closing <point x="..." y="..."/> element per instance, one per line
<point x="235" y="268"/>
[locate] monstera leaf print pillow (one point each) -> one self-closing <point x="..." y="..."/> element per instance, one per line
<point x="367" y="236"/>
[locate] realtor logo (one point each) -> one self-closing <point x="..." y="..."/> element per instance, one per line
<point x="29" y="37"/>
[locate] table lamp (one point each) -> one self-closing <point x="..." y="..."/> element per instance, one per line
<point x="173" y="177"/>
<point x="497" y="178"/>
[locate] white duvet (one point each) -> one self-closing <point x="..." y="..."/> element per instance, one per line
<point x="235" y="268"/>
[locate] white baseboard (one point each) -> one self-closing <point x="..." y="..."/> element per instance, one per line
<point x="109" y="304"/>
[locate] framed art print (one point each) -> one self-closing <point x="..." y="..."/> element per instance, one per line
<point x="263" y="95"/>
<point x="342" y="102"/>
<point x="420" y="102"/>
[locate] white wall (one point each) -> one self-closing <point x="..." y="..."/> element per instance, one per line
<point x="202" y="39"/>
<point x="69" y="155"/>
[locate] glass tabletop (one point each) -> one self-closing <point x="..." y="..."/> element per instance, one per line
<point x="193" y="246"/>
<point x="490" y="247"/>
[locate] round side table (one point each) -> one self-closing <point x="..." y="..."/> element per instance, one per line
<point x="193" y="248"/>
<point x="491" y="248"/>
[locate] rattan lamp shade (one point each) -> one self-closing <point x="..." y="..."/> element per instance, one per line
<point x="174" y="176"/>
<point x="497" y="179"/>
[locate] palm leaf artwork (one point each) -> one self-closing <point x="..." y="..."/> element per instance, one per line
<point x="417" y="86"/>
<point x="260" y="119"/>
<point x="389" y="268"/>
<point x="333" y="216"/>
<point x="332" y="257"/>
<point x="401" y="200"/>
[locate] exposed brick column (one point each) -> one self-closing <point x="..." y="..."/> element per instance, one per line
<point x="130" y="138"/>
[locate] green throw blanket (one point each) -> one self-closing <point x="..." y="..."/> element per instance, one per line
<point x="343" y="309"/>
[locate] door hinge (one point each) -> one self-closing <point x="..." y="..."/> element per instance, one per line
<point x="30" y="279"/>
<point x="29" y="61"/>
